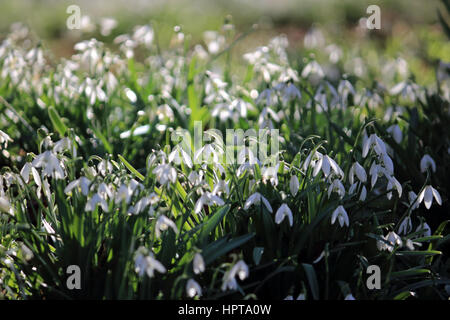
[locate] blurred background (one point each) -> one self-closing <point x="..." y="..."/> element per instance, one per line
<point x="409" y="28"/>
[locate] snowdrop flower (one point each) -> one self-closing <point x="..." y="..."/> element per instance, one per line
<point x="396" y="133"/>
<point x="104" y="191"/>
<point x="340" y="214"/>
<point x="363" y="195"/>
<point x="424" y="229"/>
<point x="104" y="167"/>
<point x="266" y="94"/>
<point x="220" y="187"/>
<point x="229" y="280"/>
<point x="93" y="90"/>
<point x="338" y="187"/>
<point x="410" y="244"/>
<point x="162" y="224"/>
<point x="50" y="164"/>
<point x="174" y="156"/>
<point x="294" y="185"/>
<point x="256" y="199"/>
<point x="94" y="201"/>
<point x="193" y="289"/>
<point x="349" y="297"/>
<point x="301" y="296"/>
<point x="208" y="199"/>
<point x="373" y="142"/>
<point x="427" y="162"/>
<point x="360" y="172"/>
<point x="123" y="193"/>
<point x="313" y="68"/>
<point x="271" y="174"/>
<point x="393" y="184"/>
<point x="140" y="205"/>
<point x="391" y="241"/>
<point x="241" y="106"/>
<point x="406" y="226"/>
<point x="4" y="139"/>
<point x="5" y="206"/>
<point x="427" y="195"/>
<point x="82" y="183"/>
<point x="198" y="264"/>
<point x="412" y="197"/>
<point x="283" y="212"/>
<point x="326" y="163"/>
<point x="165" y="173"/>
<point x="147" y="264"/>
<point x="62" y="145"/>
<point x="289" y="92"/>
<point x="107" y="25"/>
<point x="206" y="152"/>
<point x="143" y="35"/>
<point x="406" y="90"/>
<point x="25" y="173"/>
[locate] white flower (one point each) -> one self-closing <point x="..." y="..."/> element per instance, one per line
<point x="174" y="156"/>
<point x="424" y="229"/>
<point x="162" y="224"/>
<point x="93" y="90"/>
<point x="4" y="139"/>
<point x="62" y="145"/>
<point x="193" y="288"/>
<point x="301" y="296"/>
<point x="198" y="264"/>
<point x="271" y="174"/>
<point x="208" y="199"/>
<point x="427" y="162"/>
<point x="363" y="194"/>
<point x="165" y="173"/>
<point x="107" y="25"/>
<point x="360" y="172"/>
<point x="325" y="163"/>
<point x="96" y="199"/>
<point x="406" y="226"/>
<point x="205" y="153"/>
<point x="427" y="195"/>
<point x="294" y="185"/>
<point x="393" y="184"/>
<point x="391" y="240"/>
<point x="373" y="142"/>
<point x="82" y="183"/>
<point x="104" y="167"/>
<point x="338" y="187"/>
<point x="221" y="187"/>
<point x="396" y="133"/>
<point x="25" y="173"/>
<point x="50" y="164"/>
<point x="289" y="92"/>
<point x="412" y="197"/>
<point x="349" y="297"/>
<point x="410" y="244"/>
<point x="282" y="212"/>
<point x="256" y="199"/>
<point x="229" y="280"/>
<point x="5" y="206"/>
<point x="340" y="214"/>
<point x="313" y="68"/>
<point x="147" y="264"/>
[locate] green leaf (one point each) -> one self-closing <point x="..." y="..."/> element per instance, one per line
<point x="130" y="167"/>
<point x="221" y="247"/>
<point x="57" y="121"/>
<point x="312" y="279"/>
<point x="409" y="272"/>
<point x="257" y="254"/>
<point x="212" y="222"/>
